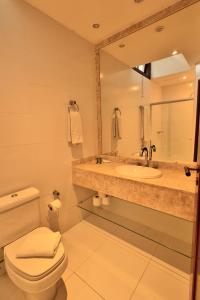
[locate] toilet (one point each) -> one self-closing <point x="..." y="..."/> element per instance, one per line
<point x="19" y="219"/>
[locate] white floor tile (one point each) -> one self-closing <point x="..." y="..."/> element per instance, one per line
<point x="173" y="261"/>
<point x="159" y="283"/>
<point x="140" y="244"/>
<point x="80" y="242"/>
<point x="114" y="270"/>
<point x="78" y="290"/>
<point x="102" y="225"/>
<point x="143" y="245"/>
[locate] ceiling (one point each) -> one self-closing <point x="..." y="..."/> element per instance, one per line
<point x="112" y="15"/>
<point x="181" y="32"/>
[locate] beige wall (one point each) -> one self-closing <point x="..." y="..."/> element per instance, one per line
<point x="178" y="91"/>
<point x="42" y="66"/>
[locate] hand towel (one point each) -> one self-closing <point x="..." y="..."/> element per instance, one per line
<point x="116" y="124"/>
<point x="75" y="134"/>
<point x="39" y="245"/>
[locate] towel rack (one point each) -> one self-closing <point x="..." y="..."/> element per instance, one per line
<point x="73" y="104"/>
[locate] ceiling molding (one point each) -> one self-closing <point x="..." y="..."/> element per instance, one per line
<point x="172" y="9"/>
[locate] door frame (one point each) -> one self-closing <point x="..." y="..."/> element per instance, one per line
<point x="195" y="268"/>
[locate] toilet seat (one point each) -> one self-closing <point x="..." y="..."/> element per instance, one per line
<point x="32" y="268"/>
<point x="34" y="274"/>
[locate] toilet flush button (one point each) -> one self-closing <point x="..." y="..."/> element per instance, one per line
<point x="14" y="195"/>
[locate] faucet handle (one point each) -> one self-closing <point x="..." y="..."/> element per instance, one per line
<point x="189" y="169"/>
<point x="153" y="148"/>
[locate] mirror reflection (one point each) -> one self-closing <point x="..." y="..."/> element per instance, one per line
<point x="148" y="93"/>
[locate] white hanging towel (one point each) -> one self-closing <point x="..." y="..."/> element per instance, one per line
<point x="116" y="125"/>
<point x="75" y="133"/>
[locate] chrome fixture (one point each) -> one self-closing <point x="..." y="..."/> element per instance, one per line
<point x="148" y="154"/>
<point x="116" y="109"/>
<point x="121" y="45"/>
<point x="96" y="25"/>
<point x="189" y="169"/>
<point x="99" y="160"/>
<point x="73" y="105"/>
<point x="151" y="150"/>
<point x="56" y="194"/>
<point x="145" y="151"/>
<point x="159" y="28"/>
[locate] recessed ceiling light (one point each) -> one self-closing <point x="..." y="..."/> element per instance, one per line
<point x="174" y="52"/>
<point x="159" y="28"/>
<point x="96" y="25"/>
<point x="138" y="1"/>
<point x="135" y="88"/>
<point x="121" y="45"/>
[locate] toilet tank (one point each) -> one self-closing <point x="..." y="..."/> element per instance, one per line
<point x="19" y="214"/>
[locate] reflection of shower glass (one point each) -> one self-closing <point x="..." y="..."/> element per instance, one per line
<point x="142" y="125"/>
<point x="172" y="129"/>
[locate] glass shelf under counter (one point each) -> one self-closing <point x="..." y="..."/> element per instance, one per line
<point x="166" y="230"/>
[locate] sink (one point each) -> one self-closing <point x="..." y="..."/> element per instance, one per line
<point x="138" y="172"/>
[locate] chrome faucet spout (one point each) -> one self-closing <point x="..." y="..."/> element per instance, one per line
<point x="144" y="151"/>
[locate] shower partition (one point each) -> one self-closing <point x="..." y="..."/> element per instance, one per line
<point x="172" y="129"/>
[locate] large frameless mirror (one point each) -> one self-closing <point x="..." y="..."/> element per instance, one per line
<point x="148" y="90"/>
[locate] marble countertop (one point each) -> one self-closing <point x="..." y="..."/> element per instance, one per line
<point x="171" y="178"/>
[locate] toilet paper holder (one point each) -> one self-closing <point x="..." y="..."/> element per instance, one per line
<point x="55" y="204"/>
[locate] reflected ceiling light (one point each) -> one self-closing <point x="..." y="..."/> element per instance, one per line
<point x="184" y="77"/>
<point x="121" y="45"/>
<point x="191" y="84"/>
<point x="159" y="28"/>
<point x="96" y="25"/>
<point x="101" y="76"/>
<point x="135" y="88"/>
<point x="174" y="52"/>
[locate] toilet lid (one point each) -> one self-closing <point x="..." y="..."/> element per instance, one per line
<point x="32" y="268"/>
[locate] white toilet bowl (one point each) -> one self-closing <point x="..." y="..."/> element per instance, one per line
<point x="36" y="277"/>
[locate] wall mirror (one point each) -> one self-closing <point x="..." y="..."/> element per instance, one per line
<point x="149" y="90"/>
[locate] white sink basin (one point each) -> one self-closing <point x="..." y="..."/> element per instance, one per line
<point x="138" y="172"/>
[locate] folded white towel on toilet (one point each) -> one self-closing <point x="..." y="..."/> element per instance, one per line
<point x="39" y="245"/>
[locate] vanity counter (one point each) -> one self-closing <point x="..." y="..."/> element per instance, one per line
<point x="172" y="193"/>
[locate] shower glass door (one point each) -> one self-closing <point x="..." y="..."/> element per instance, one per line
<point x="172" y="129"/>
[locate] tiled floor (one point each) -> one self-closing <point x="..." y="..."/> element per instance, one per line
<point x="103" y="266"/>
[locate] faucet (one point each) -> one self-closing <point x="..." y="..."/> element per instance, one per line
<point x="152" y="149"/>
<point x="145" y="151"/>
<point x="148" y="154"/>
